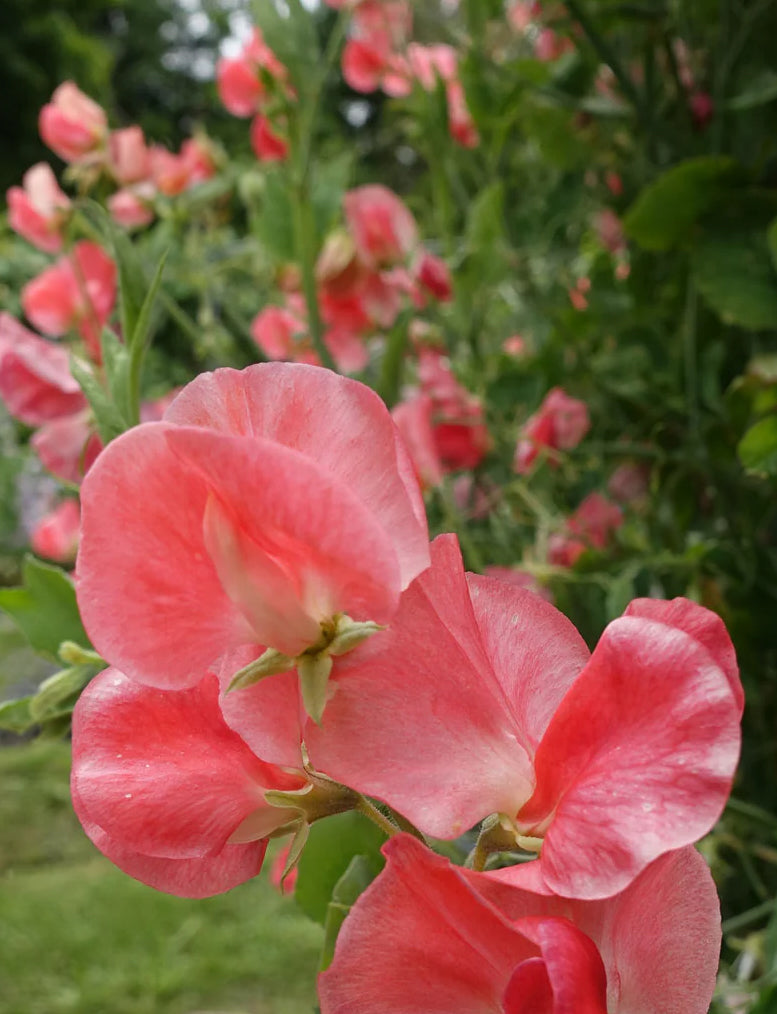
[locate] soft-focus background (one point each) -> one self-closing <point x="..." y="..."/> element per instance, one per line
<point x="600" y="189"/>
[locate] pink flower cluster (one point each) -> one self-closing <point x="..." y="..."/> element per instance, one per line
<point x="379" y="56"/>
<point x="365" y="275"/>
<point x="441" y="422"/>
<point x="559" y="424"/>
<point x="256" y="84"/>
<point x="283" y="640"/>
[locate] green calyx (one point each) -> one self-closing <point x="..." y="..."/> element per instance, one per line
<point x="339" y="635"/>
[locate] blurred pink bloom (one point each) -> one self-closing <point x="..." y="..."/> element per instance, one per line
<point x="72" y="125"/>
<point x="76" y="293"/>
<point x="198" y="156"/>
<point x="56" y="535"/>
<point x="514" y="346"/>
<point x="38" y="209"/>
<point x="560" y="423"/>
<point x="433" y="274"/>
<point x="614" y="183"/>
<point x="460" y="122"/>
<point x="383" y="229"/>
<point x="128" y="156"/>
<point x="68" y="445"/>
<point x="702" y="109"/>
<point x="475" y="943"/>
<point x="280" y="334"/>
<point x="35" y="380"/>
<point x="268" y="144"/>
<point x="589" y="527"/>
<point x="432" y="63"/>
<point x="131" y="206"/>
<point x="243" y="82"/>
<point x="610" y="231"/>
<point x="413" y="417"/>
<point x="521" y="14"/>
<point x="577" y="295"/>
<point x="549" y="45"/>
<point x="460" y="433"/>
<point x="629" y="483"/>
<point x="170" y="173"/>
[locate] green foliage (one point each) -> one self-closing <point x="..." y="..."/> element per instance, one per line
<point x="44" y="607"/>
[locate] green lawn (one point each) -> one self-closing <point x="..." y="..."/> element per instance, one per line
<point x="79" y="937"/>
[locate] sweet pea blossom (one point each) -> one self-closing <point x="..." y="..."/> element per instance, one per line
<point x="78" y="292"/>
<point x="428" y="936"/>
<point x="481" y="698"/>
<point x="56" y="534"/>
<point x="383" y="229"/>
<point x="243" y="81"/>
<point x="37" y="210"/>
<point x="35" y="380"/>
<point x="72" y="124"/>
<point x="128" y="156"/>
<point x="588" y="527"/>
<point x="167" y="791"/>
<point x="249" y="516"/>
<point x="560" y="423"/>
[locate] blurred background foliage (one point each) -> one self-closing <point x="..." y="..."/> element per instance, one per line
<point x="676" y="360"/>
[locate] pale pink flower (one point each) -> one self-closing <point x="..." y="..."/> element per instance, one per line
<point x="38" y="209"/>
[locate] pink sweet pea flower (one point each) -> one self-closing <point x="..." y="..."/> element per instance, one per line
<point x="199" y="157"/>
<point x="241" y="85"/>
<point x="281" y="334"/>
<point x="460" y="123"/>
<point x="413" y="416"/>
<point x="72" y="125"/>
<point x="433" y="274"/>
<point x="38" y="209"/>
<point x="267" y="143"/>
<point x="78" y="292"/>
<point x="131" y="207"/>
<point x="482" y="698"/>
<point x="167" y="791"/>
<point x="430" y="63"/>
<point x="382" y="227"/>
<point x="520" y="578"/>
<point x="589" y="527"/>
<point x="35" y="380"/>
<point x="68" y="445"/>
<point x="128" y="156"/>
<point x="56" y="535"/>
<point x="250" y="515"/>
<point x="560" y="423"/>
<point x="428" y="936"/>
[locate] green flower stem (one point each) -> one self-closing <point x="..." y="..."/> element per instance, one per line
<point x="388" y="827"/>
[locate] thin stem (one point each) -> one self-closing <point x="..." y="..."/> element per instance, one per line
<point x="690" y="357"/>
<point x="751" y="810"/>
<point x="388" y="827"/>
<point x="745" y="918"/>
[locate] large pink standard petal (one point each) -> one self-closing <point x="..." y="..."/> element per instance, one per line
<point x="640" y="755"/>
<point x="338" y="423"/>
<point x="224" y="541"/>
<point x="432" y="938"/>
<point x="162" y="774"/>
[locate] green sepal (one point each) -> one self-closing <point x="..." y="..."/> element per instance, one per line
<point x="270" y="663"/>
<point x="44" y="607"/>
<point x="351" y="635"/>
<point x="57" y="695"/>
<point x="314" y="672"/>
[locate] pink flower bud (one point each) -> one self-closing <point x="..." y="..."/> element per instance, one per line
<point x="56" y="535"/>
<point x="37" y="210"/>
<point x="72" y="125"/>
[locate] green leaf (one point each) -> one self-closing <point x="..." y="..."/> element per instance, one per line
<point x="771" y="239"/>
<point x="735" y="276"/>
<point x="760" y="91"/>
<point x="108" y="418"/>
<point x="665" y="211"/>
<point x="332" y="844"/>
<point x="357" y="878"/>
<point x="275" y="220"/>
<point x="15" y="715"/>
<point x="757" y="449"/>
<point x="45" y="607"/>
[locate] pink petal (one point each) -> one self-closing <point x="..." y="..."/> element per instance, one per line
<point x="186" y="878"/>
<point x="535" y="651"/>
<point x="35" y="380"/>
<point x="418" y="718"/>
<point x="637" y="760"/>
<point x="161" y="773"/>
<point x="330" y="420"/>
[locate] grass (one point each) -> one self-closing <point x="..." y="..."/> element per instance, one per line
<point x="79" y="937"/>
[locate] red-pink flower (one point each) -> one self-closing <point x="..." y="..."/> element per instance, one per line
<point x="460" y="123"/>
<point x="560" y="423"/>
<point x="243" y="81"/>
<point x="267" y="143"/>
<point x="56" y="534"/>
<point x="413" y="416"/>
<point x="129" y="158"/>
<point x="72" y="125"/>
<point x="131" y="206"/>
<point x="250" y="515"/>
<point x="167" y="791"/>
<point x="433" y="274"/>
<point x="482" y="698"/>
<point x="68" y="445"/>
<point x="76" y="293"/>
<point x="281" y="334"/>
<point x="428" y="936"/>
<point x="38" y="209"/>
<point x="35" y="380"/>
<point x="382" y="227"/>
<point x="520" y="578"/>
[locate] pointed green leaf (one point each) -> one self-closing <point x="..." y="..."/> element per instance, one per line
<point x="758" y="447"/>
<point x="44" y="607"/>
<point x="15" y="715"/>
<point x="57" y="694"/>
